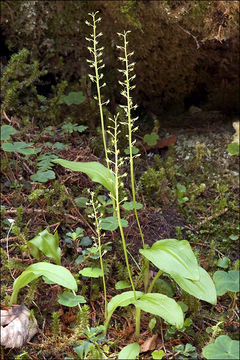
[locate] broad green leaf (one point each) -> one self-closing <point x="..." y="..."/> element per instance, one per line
<point x="122" y="284"/>
<point x="158" y="354"/>
<point x="226" y="281"/>
<point x="73" y="97"/>
<point x="123" y="299"/>
<point x="163" y="306"/>
<point x="83" y="349"/>
<point x="224" y="348"/>
<point x="164" y="287"/>
<point x="6" y="131"/>
<point x="223" y="262"/>
<point x="58" y="274"/>
<point x="60" y="146"/>
<point x="48" y="244"/>
<point x="81" y="201"/>
<point x="43" y="176"/>
<point x="111" y="223"/>
<point x="174" y="257"/>
<point x="233" y="148"/>
<point x="20" y="147"/>
<point x="203" y="289"/>
<point x="96" y="171"/>
<point x="129" y="352"/>
<point x="135" y="150"/>
<point x="67" y="298"/>
<point x="151" y="139"/>
<point x="91" y="272"/>
<point x="129" y="205"/>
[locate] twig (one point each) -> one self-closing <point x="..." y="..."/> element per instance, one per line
<point x="194" y="37"/>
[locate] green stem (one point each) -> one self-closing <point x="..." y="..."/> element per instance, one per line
<point x="137" y="328"/>
<point x="159" y="273"/>
<point x="130" y="135"/>
<point x="116" y="150"/>
<point x="100" y="256"/>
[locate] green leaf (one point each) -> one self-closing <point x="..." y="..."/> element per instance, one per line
<point x="111" y="223"/>
<point x="173" y="257"/>
<point x="81" y="201"/>
<point x="158" y="354"/>
<point x="233" y="148"/>
<point x="43" y="176"/>
<point x="151" y="139"/>
<point x="129" y="352"/>
<point x="224" y="348"/>
<point x="20" y="147"/>
<point x="129" y="205"/>
<point x="135" y="150"/>
<point x="123" y="299"/>
<point x="73" y="97"/>
<point x="67" y="298"/>
<point x="96" y="171"/>
<point x="223" y="262"/>
<point x="226" y="281"/>
<point x="58" y="274"/>
<point x="203" y="289"/>
<point x="6" y="131"/>
<point x="91" y="272"/>
<point x="59" y="146"/>
<point x="164" y="287"/>
<point x="163" y="306"/>
<point x="122" y="285"/>
<point x="48" y="244"/>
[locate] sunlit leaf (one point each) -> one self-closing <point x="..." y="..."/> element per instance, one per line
<point x="58" y="274"/>
<point x="48" y="244"/>
<point x="129" y="352"/>
<point x="95" y="170"/>
<point x="173" y="257"/>
<point x="203" y="289"/>
<point x="163" y="306"/>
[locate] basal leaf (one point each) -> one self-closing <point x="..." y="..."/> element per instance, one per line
<point x="58" y="274"/>
<point x="203" y="289"/>
<point x="129" y="352"/>
<point x="123" y="299"/>
<point x="174" y="257"/>
<point x="48" y="244"/>
<point x="163" y="306"/>
<point x="95" y="170"/>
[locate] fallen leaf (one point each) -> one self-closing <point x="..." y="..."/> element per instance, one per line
<point x="16" y="326"/>
<point x="150" y="343"/>
<point x="162" y="143"/>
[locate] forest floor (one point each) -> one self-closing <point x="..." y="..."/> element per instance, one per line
<point x="194" y="197"/>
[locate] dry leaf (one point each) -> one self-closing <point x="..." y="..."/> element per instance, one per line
<point x="150" y="343"/>
<point x="162" y="143"/>
<point x="236" y="135"/>
<point x="16" y="327"/>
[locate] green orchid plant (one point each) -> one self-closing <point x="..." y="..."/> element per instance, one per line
<point x="172" y="257"/>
